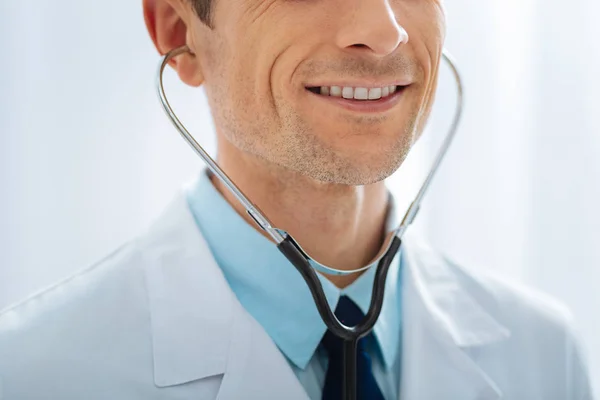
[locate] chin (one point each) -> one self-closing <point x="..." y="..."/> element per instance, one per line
<point x="353" y="159"/>
<point x="355" y="171"/>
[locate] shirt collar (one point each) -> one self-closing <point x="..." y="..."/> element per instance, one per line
<point x="269" y="288"/>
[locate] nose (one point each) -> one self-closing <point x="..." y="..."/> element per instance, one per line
<point x="371" y="24"/>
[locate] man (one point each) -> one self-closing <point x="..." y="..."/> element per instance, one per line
<point x="315" y="103"/>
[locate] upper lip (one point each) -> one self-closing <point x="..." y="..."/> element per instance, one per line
<point x="369" y="84"/>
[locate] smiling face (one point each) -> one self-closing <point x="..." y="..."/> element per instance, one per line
<point x="337" y="90"/>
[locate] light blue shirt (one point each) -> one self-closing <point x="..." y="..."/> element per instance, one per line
<point x="275" y="294"/>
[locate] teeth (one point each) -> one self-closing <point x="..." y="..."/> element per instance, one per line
<point x="375" y="93"/>
<point x="361" y="93"/>
<point x="358" y="93"/>
<point x="336" y="91"/>
<point x="348" y="92"/>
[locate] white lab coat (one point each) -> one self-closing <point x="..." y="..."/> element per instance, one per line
<point x="157" y="320"/>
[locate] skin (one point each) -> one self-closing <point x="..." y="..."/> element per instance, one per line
<point x="315" y="169"/>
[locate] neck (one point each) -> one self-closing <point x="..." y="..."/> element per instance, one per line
<point x="340" y="226"/>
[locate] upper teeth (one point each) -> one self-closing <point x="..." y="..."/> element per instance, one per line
<point x="358" y="93"/>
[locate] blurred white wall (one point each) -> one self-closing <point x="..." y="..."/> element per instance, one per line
<point x="519" y="194"/>
<point x="87" y="157"/>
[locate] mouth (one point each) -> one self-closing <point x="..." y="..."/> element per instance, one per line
<point x="359" y="99"/>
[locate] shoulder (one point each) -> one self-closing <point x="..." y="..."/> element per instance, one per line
<point x="523" y="309"/>
<point x="508" y="301"/>
<point x="82" y="327"/>
<point x="68" y="295"/>
<point x="542" y="345"/>
<point x="93" y="335"/>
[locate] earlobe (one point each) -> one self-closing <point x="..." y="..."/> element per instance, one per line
<point x="167" y="23"/>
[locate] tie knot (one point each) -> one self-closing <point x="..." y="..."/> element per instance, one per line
<point x="350" y="315"/>
<point x="348" y="312"/>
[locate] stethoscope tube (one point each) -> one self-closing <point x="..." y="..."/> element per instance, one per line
<point x="303" y="263"/>
<point x="350" y="334"/>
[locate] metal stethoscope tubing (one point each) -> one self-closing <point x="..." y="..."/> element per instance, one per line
<point x="305" y="264"/>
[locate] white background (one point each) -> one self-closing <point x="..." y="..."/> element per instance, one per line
<point x="87" y="157"/>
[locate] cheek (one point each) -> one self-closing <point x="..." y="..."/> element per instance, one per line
<point x="243" y="113"/>
<point x="230" y="69"/>
<point x="425" y="23"/>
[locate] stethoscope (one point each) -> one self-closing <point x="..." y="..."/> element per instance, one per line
<point x="301" y="260"/>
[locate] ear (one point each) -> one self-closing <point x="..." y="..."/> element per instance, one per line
<point x="169" y="25"/>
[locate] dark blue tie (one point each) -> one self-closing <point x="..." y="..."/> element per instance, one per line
<point x="348" y="313"/>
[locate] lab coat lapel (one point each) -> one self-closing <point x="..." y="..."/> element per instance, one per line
<point x="441" y="324"/>
<point x="199" y="329"/>
<point x="257" y="369"/>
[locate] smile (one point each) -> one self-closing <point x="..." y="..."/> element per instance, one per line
<point x="355" y="93"/>
<point x="360" y="99"/>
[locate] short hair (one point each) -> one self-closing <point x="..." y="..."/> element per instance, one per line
<point x="203" y="9"/>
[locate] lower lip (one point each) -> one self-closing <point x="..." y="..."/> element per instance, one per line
<point x="364" y="106"/>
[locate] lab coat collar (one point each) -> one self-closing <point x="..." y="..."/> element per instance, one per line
<point x="449" y="305"/>
<point x="199" y="329"/>
<point x="444" y="318"/>
<point x="191" y="305"/>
